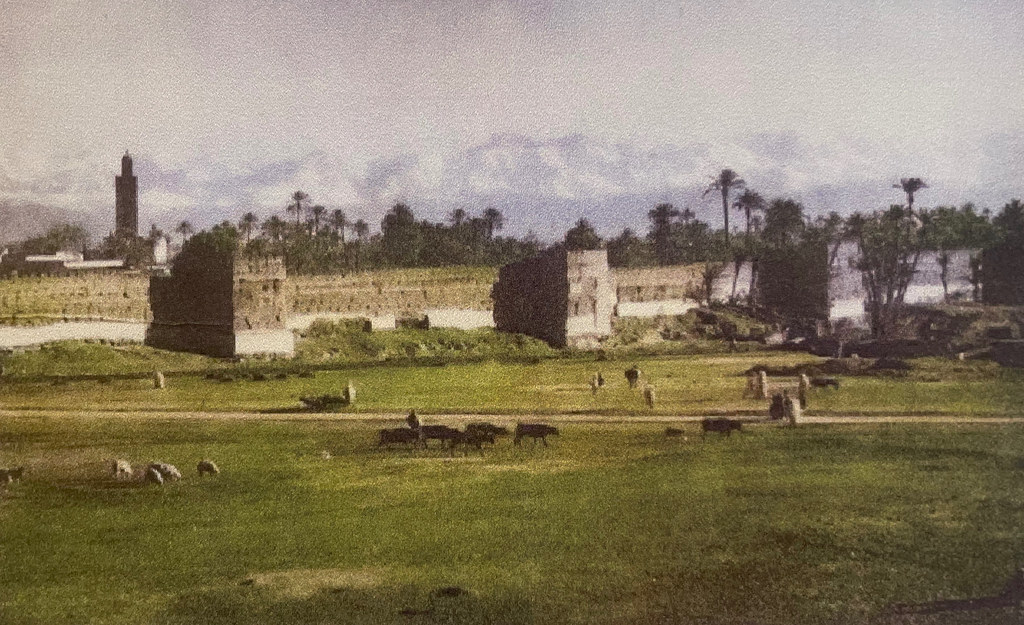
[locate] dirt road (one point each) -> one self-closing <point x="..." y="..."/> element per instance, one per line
<point x="500" y="418"/>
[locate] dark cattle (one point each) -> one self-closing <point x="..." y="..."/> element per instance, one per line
<point x="397" y="435"/>
<point x="474" y="437"/>
<point x="534" y="431"/>
<point x="442" y="433"/>
<point x="721" y="425"/>
<point x="487" y="428"/>
<point x="825" y="382"/>
<point x="670" y="432"/>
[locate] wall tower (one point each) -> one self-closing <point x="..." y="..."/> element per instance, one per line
<point x="126" y="200"/>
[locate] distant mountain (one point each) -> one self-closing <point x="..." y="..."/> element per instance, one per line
<point x="19" y="221"/>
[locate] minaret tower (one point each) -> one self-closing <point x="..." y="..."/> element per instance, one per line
<point x="126" y="200"/>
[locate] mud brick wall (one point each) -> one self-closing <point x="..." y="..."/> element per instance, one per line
<point x="120" y="295"/>
<point x="591" y="302"/>
<point x="654" y="284"/>
<point x="532" y="297"/>
<point x="260" y="298"/>
<point x="403" y="293"/>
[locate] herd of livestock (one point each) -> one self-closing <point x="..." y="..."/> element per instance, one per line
<point x="474" y="435"/>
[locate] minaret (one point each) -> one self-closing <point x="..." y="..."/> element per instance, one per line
<point x="126" y="200"/>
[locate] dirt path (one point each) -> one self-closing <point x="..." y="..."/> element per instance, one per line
<point x="500" y="418"/>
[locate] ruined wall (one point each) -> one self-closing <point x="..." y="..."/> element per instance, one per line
<point x="222" y="305"/>
<point x="591" y="298"/>
<point x="532" y="297"/>
<point x="110" y="295"/>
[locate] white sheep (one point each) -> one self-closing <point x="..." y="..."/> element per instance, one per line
<point x="207" y="466"/>
<point x="153" y="476"/>
<point x="121" y="469"/>
<point x="166" y="471"/>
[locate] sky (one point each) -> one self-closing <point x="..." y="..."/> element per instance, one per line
<point x="547" y="110"/>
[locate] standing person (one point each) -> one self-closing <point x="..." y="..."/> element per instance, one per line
<point x="412" y="420"/>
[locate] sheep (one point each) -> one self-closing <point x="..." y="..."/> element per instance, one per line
<point x="397" y="435"/>
<point x="534" y="431"/>
<point x="207" y="466"/>
<point x="649" y="396"/>
<point x="633" y="376"/>
<point x="166" y="471"/>
<point x="720" y="425"/>
<point x="153" y="476"/>
<point x="121" y="469"/>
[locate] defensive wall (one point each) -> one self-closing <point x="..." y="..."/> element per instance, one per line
<point x="224" y="306"/>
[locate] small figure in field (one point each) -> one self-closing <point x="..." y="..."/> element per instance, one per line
<point x="649" y="396"/>
<point x="763" y="389"/>
<point x="207" y="467"/>
<point x="791" y="409"/>
<point x="600" y="380"/>
<point x="350" y="393"/>
<point x="805" y="385"/>
<point x="751" y="391"/>
<point x="412" y="420"/>
<point x="593" y="384"/>
<point x="777" y="410"/>
<point x="633" y="376"/>
<point x="158" y="380"/>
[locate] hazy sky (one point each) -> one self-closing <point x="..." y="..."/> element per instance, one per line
<point x="547" y="110"/>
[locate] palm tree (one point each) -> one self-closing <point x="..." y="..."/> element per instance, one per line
<point x="318" y="212"/>
<point x="910" y="186"/>
<point x="495" y="221"/>
<point x="724" y="182"/>
<point x="246" y="225"/>
<point x="361" y="228"/>
<point x="338" y="223"/>
<point x="457" y="216"/>
<point x="296" y="206"/>
<point x="750" y="203"/>
<point x="273" y="228"/>
<point x="661" y="217"/>
<point x="185" y="229"/>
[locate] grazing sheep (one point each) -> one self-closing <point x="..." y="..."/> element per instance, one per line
<point x="633" y="376"/>
<point x="720" y="425"/>
<point x="397" y="435"/>
<point x="153" y="476"/>
<point x="121" y="469"/>
<point x="207" y="466"/>
<point x="673" y="432"/>
<point x="166" y="471"/>
<point x="534" y="431"/>
<point x="649" y="396"/>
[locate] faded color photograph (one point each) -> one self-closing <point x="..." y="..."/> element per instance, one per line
<point x="511" y="312"/>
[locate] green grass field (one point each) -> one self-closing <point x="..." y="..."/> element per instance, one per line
<point x="611" y="524"/>
<point x="685" y="385"/>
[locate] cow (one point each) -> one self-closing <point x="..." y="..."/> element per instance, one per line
<point x="721" y="425"/>
<point x="825" y="382"/>
<point x="534" y="431"/>
<point x="442" y="433"/>
<point x="397" y="435"/>
<point x="487" y="428"/>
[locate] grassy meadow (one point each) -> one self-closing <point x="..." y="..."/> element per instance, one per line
<point x="704" y="384"/>
<point x="612" y="523"/>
